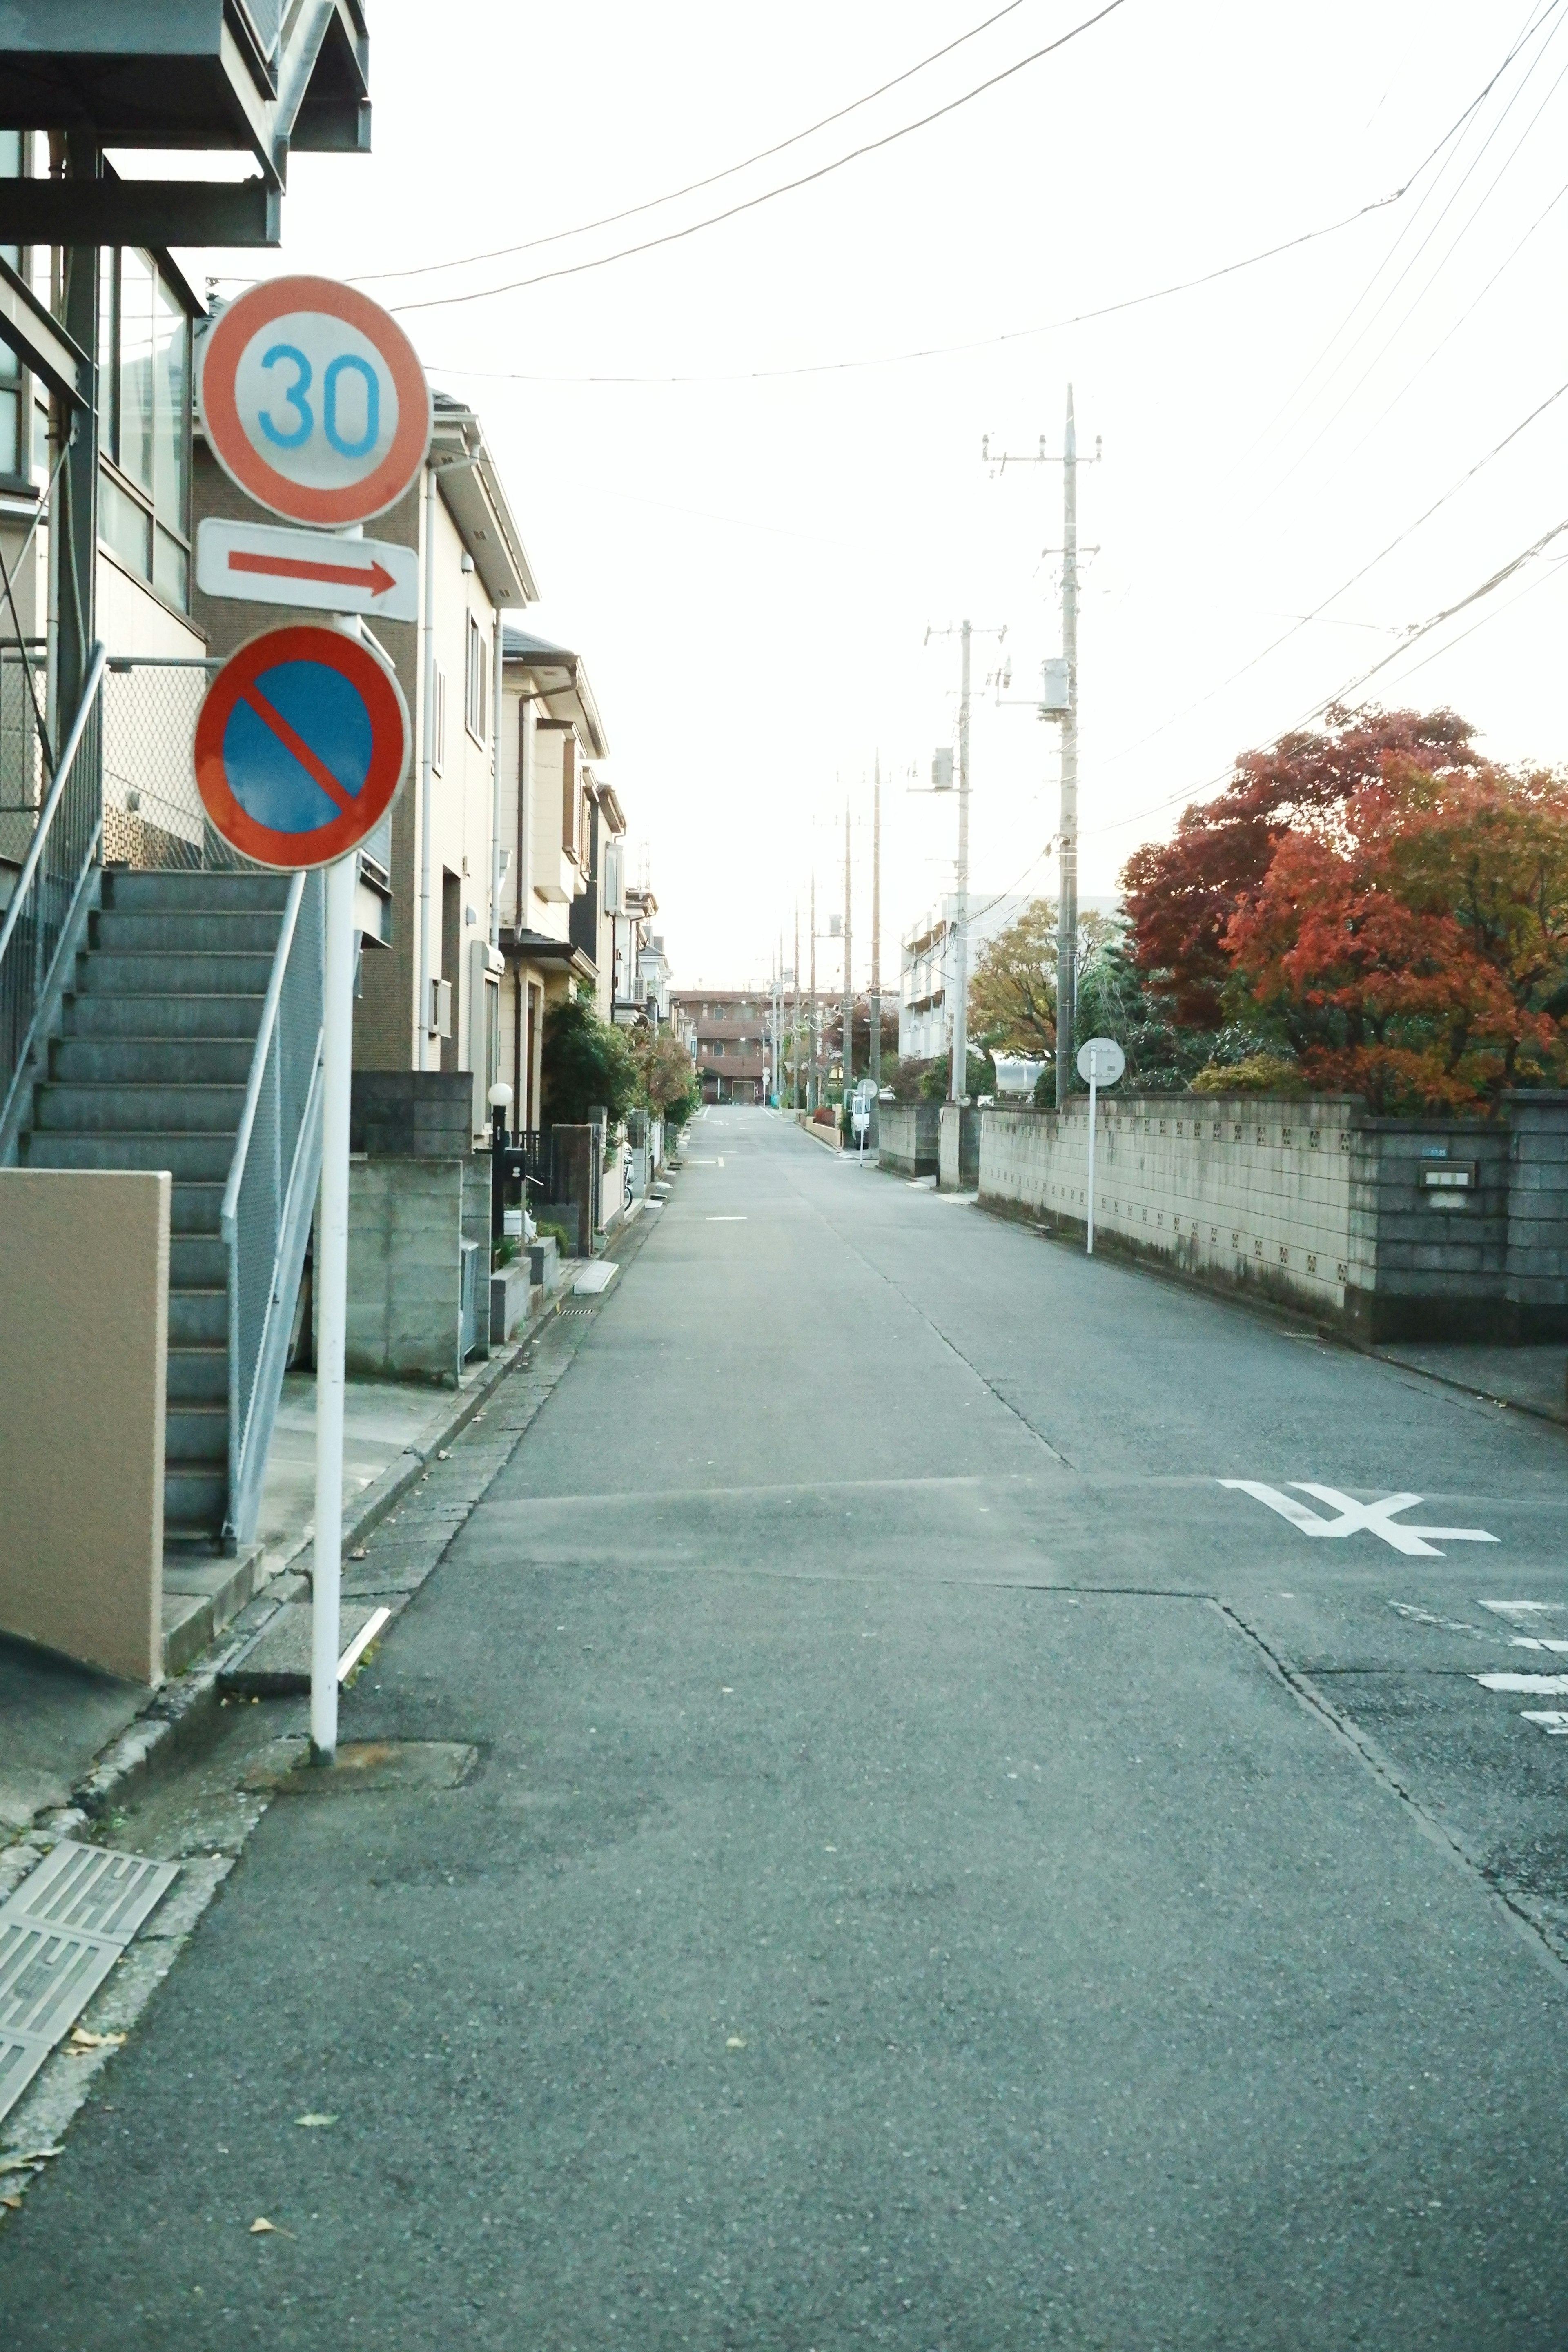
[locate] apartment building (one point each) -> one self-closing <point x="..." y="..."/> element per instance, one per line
<point x="726" y="1034"/>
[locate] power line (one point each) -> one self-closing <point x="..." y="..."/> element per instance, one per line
<point x="652" y="203"/>
<point x="749" y="204"/>
<point x="1535" y="18"/>
<point x="1353" y="686"/>
<point x="953" y="350"/>
<point x="1330" y="422"/>
<point x="1346" y="585"/>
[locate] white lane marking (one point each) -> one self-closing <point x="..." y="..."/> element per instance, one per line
<point x="1520" y="1613"/>
<point x="1552" y="1721"/>
<point x="1374" y="1518"/>
<point x="1528" y="1642"/>
<point x="726" y="1220"/>
<point x="362" y="1641"/>
<point x="720" y="1159"/>
<point x="1445" y="1624"/>
<point x="1553" y="1685"/>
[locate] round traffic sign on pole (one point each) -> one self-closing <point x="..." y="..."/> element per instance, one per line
<point x="300" y="746"/>
<point x="313" y="400"/>
<point x="1101" y="1061"/>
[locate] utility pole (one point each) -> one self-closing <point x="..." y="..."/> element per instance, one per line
<point x="1059" y="700"/>
<point x="811" y="1074"/>
<point x="877" y="926"/>
<point x="1067" y="902"/>
<point x="958" y="1077"/>
<point x="795" y="1017"/>
<point x="849" y="968"/>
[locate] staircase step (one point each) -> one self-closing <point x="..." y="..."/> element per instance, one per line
<point x="197" y="1375"/>
<point x="144" y="1061"/>
<point x="144" y="1109"/>
<point x="197" y="1261"/>
<point x="198" y="1318"/>
<point x="200" y="1159"/>
<point x="93" y="1016"/>
<point x="195" y="1501"/>
<point x="105" y="973"/>
<point x="197" y="1435"/>
<point x="153" y="891"/>
<point x="195" y="1209"/>
<point x="236" y="933"/>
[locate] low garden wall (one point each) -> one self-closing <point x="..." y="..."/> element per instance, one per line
<point x="909" y="1141"/>
<point x="1391" y="1228"/>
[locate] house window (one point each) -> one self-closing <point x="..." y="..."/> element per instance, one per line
<point x="474" y="682"/>
<point x="13" y="382"/>
<point x="145" y="361"/>
<point x="438" y="723"/>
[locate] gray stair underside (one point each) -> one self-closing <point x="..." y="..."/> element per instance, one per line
<point x="149" y="1071"/>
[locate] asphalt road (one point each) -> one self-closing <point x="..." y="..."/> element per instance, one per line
<point x="943" y="1871"/>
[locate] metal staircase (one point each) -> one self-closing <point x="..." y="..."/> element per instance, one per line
<point x="189" y="1040"/>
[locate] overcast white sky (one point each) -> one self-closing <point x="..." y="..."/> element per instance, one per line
<point x="749" y="561"/>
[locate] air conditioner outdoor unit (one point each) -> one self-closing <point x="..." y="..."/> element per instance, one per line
<point x="941" y="770"/>
<point x="441" y="1015"/>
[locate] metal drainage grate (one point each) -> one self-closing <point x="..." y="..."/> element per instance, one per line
<point x="60" y="1934"/>
<point x="579" y="1311"/>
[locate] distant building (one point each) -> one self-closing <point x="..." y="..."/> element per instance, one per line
<point x="726" y="1034"/>
<point x="925" y="956"/>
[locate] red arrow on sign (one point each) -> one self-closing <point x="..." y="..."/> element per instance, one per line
<point x="377" y="580"/>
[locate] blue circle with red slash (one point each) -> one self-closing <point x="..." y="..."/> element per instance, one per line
<point x="300" y="746"/>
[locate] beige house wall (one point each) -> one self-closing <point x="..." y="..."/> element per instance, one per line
<point x="84" y="1292"/>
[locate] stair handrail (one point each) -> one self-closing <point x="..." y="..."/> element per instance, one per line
<point x="11" y="1078"/>
<point x="275" y="980"/>
<point x="56" y="793"/>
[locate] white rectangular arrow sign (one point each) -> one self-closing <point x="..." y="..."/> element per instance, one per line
<point x="266" y="563"/>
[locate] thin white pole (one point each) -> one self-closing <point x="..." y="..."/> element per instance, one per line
<point x="958" y="1074"/>
<point x="1091" y="1092"/>
<point x="498" y="688"/>
<point x="427" y="771"/>
<point x="332" y="1309"/>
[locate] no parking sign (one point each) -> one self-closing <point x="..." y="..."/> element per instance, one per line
<point x="300" y="746"/>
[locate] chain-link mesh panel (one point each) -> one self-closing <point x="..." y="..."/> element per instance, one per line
<point x="22" y="770"/>
<point x="152" y="814"/>
<point x="272" y="1159"/>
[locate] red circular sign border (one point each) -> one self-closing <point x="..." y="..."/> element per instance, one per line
<point x="243" y="464"/>
<point x="302" y="641"/>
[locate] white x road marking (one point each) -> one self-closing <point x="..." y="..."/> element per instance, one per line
<point x="1376" y="1518"/>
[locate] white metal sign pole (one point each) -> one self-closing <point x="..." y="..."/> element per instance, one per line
<point x="1091" y="1095"/>
<point x="331" y="1311"/>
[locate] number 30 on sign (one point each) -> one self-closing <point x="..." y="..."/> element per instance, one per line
<point x="313" y="400"/>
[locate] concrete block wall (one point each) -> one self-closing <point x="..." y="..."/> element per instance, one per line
<point x="958" y="1167"/>
<point x="1537" y="1278"/>
<point x="405" y="1285"/>
<point x="1440" y="1256"/>
<point x="1237" y="1190"/>
<point x="910" y="1138"/>
<point x="1314" y="1204"/>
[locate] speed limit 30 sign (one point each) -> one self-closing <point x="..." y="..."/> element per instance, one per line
<point x="313" y="400"/>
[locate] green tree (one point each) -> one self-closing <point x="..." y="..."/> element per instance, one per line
<point x="587" y="1065"/>
<point x="1013" y="990"/>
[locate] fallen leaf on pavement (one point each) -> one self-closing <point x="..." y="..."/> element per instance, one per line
<point x="82" y="2041"/>
<point x="443" y="1453"/>
<point x="734" y="2042"/>
<point x="14" y="2202"/>
<point x="27" y="2159"/>
<point x="262" y="2227"/>
<point x="315" y="2123"/>
<point x="359" y="1552"/>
